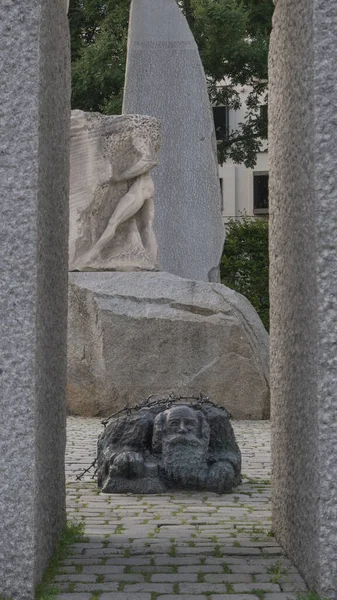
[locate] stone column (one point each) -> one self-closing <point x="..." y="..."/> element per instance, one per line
<point x="165" y="79"/>
<point x="303" y="274"/>
<point x="35" y="113"/>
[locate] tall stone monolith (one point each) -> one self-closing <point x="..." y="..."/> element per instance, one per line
<point x="303" y="275"/>
<point x="165" y="79"/>
<point x="35" y="113"/>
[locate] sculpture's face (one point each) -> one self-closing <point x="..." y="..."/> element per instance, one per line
<point x="184" y="447"/>
<point x="182" y="421"/>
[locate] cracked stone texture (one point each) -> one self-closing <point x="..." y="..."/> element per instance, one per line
<point x="303" y="275"/>
<point x="131" y="335"/>
<point x="177" y="545"/>
<point x="165" y="79"/>
<point x="35" y="106"/>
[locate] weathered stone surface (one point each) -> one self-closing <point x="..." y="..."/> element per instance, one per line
<point x="135" y="334"/>
<point x="303" y="275"/>
<point x="35" y="115"/>
<point x="169" y="445"/>
<point x="111" y="192"/>
<point x="165" y="79"/>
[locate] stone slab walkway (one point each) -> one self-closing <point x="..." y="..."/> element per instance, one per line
<point x="185" y="545"/>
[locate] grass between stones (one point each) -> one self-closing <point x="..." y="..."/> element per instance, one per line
<point x="71" y="534"/>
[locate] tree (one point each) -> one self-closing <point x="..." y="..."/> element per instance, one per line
<point x="98" y="51"/>
<point x="244" y="265"/>
<point x="233" y="39"/>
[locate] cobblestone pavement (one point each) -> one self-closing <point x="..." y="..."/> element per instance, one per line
<point x="185" y="545"/>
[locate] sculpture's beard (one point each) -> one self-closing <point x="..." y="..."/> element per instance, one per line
<point x="184" y="457"/>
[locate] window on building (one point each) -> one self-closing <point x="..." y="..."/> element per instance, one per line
<point x="261" y="198"/>
<point x="264" y="116"/>
<point x="221" y="122"/>
<point x="221" y="194"/>
<point x="264" y="111"/>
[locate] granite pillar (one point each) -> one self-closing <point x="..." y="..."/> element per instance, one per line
<point x="35" y="114"/>
<point x="165" y="79"/>
<point x="303" y="275"/>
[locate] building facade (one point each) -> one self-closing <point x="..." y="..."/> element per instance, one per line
<point x="244" y="191"/>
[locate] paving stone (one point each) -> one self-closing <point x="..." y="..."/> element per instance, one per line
<point x="280" y="596"/>
<point x="268" y="550"/>
<point x="230" y="560"/>
<point x="175" y="578"/>
<point x="125" y="578"/>
<point x="254" y="569"/>
<point x="73" y="596"/>
<point x="130" y="561"/>
<point x="152" y="570"/>
<point x="176" y="561"/>
<point x="179" y="597"/>
<point x="96" y="587"/>
<point x="203" y="568"/>
<point x="234" y="597"/>
<point x="103" y="569"/>
<point x="229" y="578"/>
<point x="233" y="550"/>
<point x="293" y="587"/>
<point x="79" y="577"/>
<point x="195" y="588"/>
<point x="249" y="587"/>
<point x="87" y="561"/>
<point x="124" y="596"/>
<point x="159" y="588"/>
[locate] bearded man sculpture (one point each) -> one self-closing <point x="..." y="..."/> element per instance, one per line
<point x="161" y="448"/>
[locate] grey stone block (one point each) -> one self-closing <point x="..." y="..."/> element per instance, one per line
<point x="159" y="588"/>
<point x="79" y="596"/>
<point x="124" y="596"/>
<point x="280" y="596"/>
<point x="203" y="568"/>
<point x="229" y="578"/>
<point x="250" y="587"/>
<point x="95" y="587"/>
<point x="165" y="79"/>
<point x="303" y="275"/>
<point x="234" y="597"/>
<point x="79" y="578"/>
<point x="179" y="597"/>
<point x="103" y="569"/>
<point x="173" y="334"/>
<point x="175" y="578"/>
<point x="35" y="113"/>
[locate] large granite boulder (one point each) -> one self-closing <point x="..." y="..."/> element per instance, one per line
<point x="131" y="335"/>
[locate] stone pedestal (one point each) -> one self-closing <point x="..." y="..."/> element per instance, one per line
<point x="165" y="79"/>
<point x="35" y="113"/>
<point x="303" y="274"/>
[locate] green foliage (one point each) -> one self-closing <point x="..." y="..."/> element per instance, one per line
<point x="233" y="40"/>
<point x="245" y="263"/>
<point x="98" y="49"/>
<point x="71" y="534"/>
